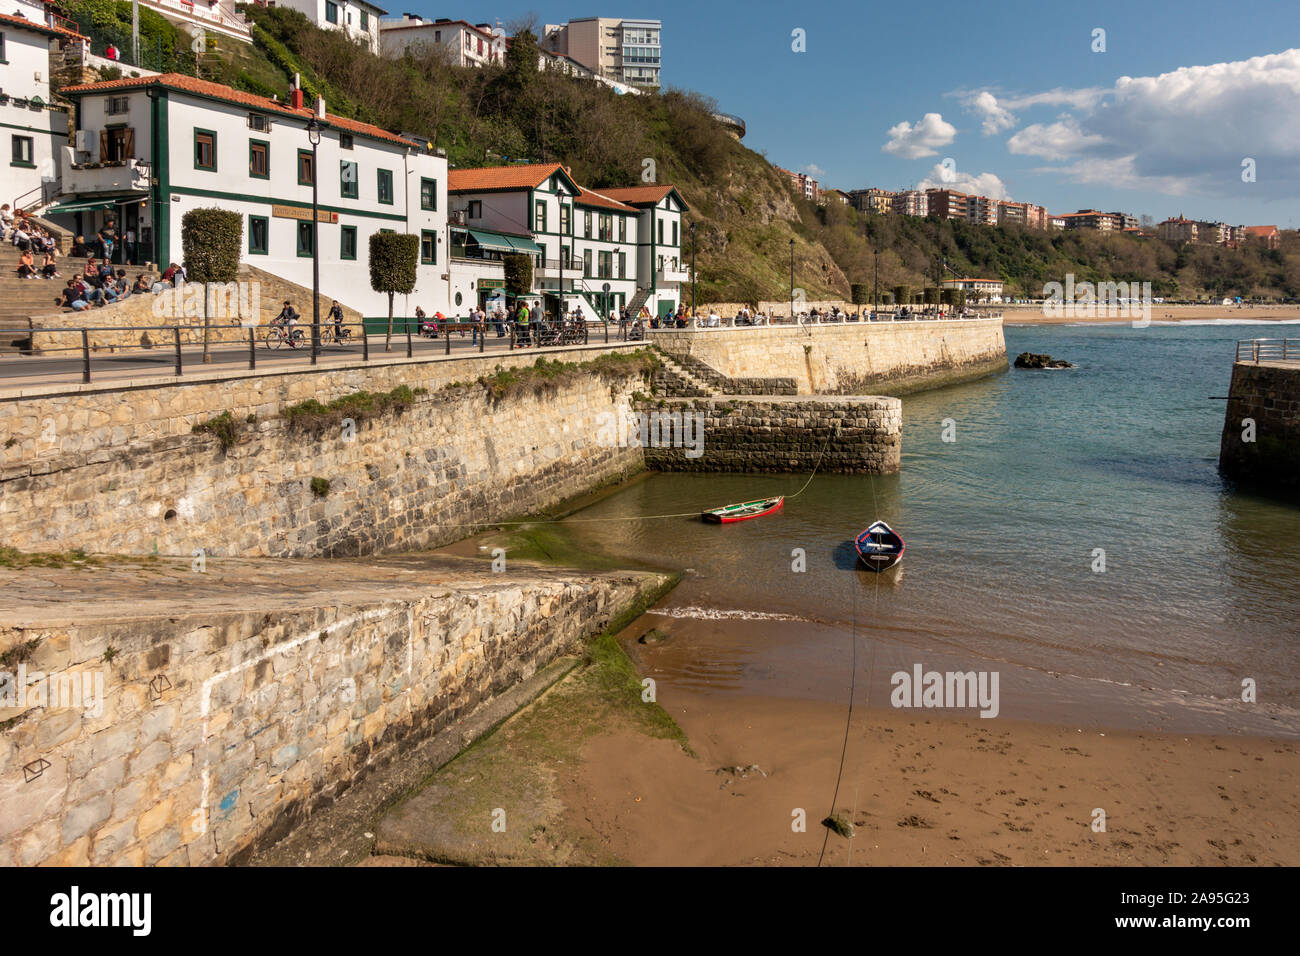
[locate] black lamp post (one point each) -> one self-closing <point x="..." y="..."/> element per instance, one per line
<point x="875" y="309"/>
<point x="692" y="270"/>
<point x="791" y="280"/>
<point x="313" y="136"/>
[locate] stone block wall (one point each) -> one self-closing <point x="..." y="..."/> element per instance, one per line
<point x="858" y="435"/>
<point x="1269" y="394"/>
<point x="219" y="732"/>
<point x="856" y="358"/>
<point x="400" y="481"/>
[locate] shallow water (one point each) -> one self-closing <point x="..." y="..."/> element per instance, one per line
<point x="1201" y="587"/>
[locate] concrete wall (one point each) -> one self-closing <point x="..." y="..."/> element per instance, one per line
<point x="851" y="359"/>
<point x="1268" y="393"/>
<point x="860" y="435"/>
<point x="136" y="480"/>
<point x="219" y="730"/>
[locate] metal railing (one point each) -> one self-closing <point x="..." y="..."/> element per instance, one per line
<point x="841" y="318"/>
<point x="245" y="344"/>
<point x="1268" y="350"/>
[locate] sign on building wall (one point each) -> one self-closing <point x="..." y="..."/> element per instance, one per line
<point x="303" y="212"/>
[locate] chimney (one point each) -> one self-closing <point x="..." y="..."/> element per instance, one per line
<point x="320" y="107"/>
<point x="295" y="98"/>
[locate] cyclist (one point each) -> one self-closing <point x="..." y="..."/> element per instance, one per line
<point x="336" y="313"/>
<point x="288" y="318"/>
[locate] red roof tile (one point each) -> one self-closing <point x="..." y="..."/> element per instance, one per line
<point x="589" y="197"/>
<point x="41" y="27"/>
<point x="489" y="178"/>
<point x="216" y="91"/>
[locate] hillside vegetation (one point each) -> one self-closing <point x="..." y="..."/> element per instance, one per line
<point x="746" y="212"/>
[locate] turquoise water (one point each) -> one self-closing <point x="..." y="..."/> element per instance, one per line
<point x="1201" y="587"/>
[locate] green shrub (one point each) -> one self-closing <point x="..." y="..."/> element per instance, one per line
<point x="320" y="487"/>
<point x="212" y="240"/>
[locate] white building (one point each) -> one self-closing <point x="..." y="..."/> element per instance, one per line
<point x="626" y="51"/>
<point x="147" y="150"/>
<point x="30" y="129"/>
<point x="466" y="44"/>
<point x="356" y="18"/>
<point x="663" y="270"/>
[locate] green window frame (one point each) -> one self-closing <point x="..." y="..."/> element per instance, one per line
<point x="349" y="179"/>
<point x="675" y="236"/>
<point x="566" y="219"/>
<point x="259" y="245"/>
<point x="428" y="248"/>
<point x="428" y="193"/>
<point x="539" y="215"/>
<point x="386" y="186"/>
<point x="23" y="152"/>
<point x="622" y="265"/>
<point x="306" y="167"/>
<point x="365" y="21"/>
<point x="659" y="224"/>
<point x="348" y="243"/>
<point x="253" y="150"/>
<point x="305" y="238"/>
<point x="205" y="140"/>
<point x="622" y="228"/>
<point x="332" y="12"/>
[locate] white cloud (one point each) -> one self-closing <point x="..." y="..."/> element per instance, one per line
<point x="996" y="118"/>
<point x="812" y="169"/>
<point x="1054" y="141"/>
<point x="1181" y="132"/>
<point x="981" y="184"/>
<point x="913" y="142"/>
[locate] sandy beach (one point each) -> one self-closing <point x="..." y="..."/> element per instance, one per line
<point x="927" y="790"/>
<point x="1033" y="314"/>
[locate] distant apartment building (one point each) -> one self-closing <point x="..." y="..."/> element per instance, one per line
<point x="626" y="51"/>
<point x="1177" y="230"/>
<point x="357" y="19"/>
<point x="989" y="289"/>
<point x="910" y="202"/>
<point x="1268" y="235"/>
<point x="1024" y="214"/>
<point x="466" y="44"/>
<point x="1101" y="221"/>
<point x="804" y="184"/>
<point x="950" y="204"/>
<point x="1055" y="224"/>
<point x="835" y="195"/>
<point x="878" y="201"/>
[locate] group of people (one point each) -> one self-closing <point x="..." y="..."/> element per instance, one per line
<point x="104" y="242"/>
<point x="32" y="242"/>
<point x="98" y="285"/>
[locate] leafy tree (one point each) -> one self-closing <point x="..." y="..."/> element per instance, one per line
<point x="519" y="274"/>
<point x="211" y="241"/>
<point x="393" y="258"/>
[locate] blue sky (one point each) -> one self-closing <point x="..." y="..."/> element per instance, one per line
<point x="1011" y="92"/>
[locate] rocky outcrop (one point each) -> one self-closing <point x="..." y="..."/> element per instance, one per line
<point x="1035" y="360"/>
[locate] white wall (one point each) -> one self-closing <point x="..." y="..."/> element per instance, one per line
<point x="27" y="74"/>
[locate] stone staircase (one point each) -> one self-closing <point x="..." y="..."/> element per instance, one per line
<point x="22" y="298"/>
<point x="673" y="380"/>
<point x="638" y="300"/>
<point x="696" y="374"/>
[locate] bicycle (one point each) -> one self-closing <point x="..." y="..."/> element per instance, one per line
<point x="278" y="335"/>
<point x="335" y="335"/>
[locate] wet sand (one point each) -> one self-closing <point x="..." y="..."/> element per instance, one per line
<point x="1034" y="315"/>
<point x="929" y="790"/>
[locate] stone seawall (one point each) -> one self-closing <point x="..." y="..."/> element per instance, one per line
<point x="856" y="358"/>
<point x="400" y="481"/>
<point x="862" y="434"/>
<point x="235" y="702"/>
<point x="1268" y="393"/>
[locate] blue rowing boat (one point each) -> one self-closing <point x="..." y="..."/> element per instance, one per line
<point x="880" y="547"/>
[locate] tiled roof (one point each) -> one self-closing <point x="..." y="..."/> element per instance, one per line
<point x="502" y="177"/>
<point x="40" y="27"/>
<point x="1261" y="230"/>
<point x="589" y="197"/>
<point x="206" y="88"/>
<point x="638" y="194"/>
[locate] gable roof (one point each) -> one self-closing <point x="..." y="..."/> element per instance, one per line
<point x="215" y="91"/>
<point x="8" y="19"/>
<point x="589" y="197"/>
<point x="644" y="195"/>
<point x="505" y="178"/>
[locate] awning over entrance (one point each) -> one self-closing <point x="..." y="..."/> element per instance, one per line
<point x="79" y="207"/>
<point x="500" y="242"/>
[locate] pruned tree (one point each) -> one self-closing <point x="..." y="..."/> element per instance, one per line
<point x="393" y="258"/>
<point x="211" y="240"/>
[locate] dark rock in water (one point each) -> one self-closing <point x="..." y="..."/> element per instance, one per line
<point x="653" y="636"/>
<point x="1034" y="360"/>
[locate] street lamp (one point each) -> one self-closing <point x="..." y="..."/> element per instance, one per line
<point x="313" y="136"/>
<point x="791" y="280"/>
<point x="692" y="269"/>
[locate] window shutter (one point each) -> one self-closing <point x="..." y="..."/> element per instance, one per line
<point x="128" y="144"/>
<point x="103" y="145"/>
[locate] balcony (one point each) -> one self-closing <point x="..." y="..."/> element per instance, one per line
<point x="671" y="272"/>
<point x="123" y="176"/>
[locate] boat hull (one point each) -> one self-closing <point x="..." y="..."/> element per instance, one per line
<point x="879" y="547"/>
<point x="743" y="511"/>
